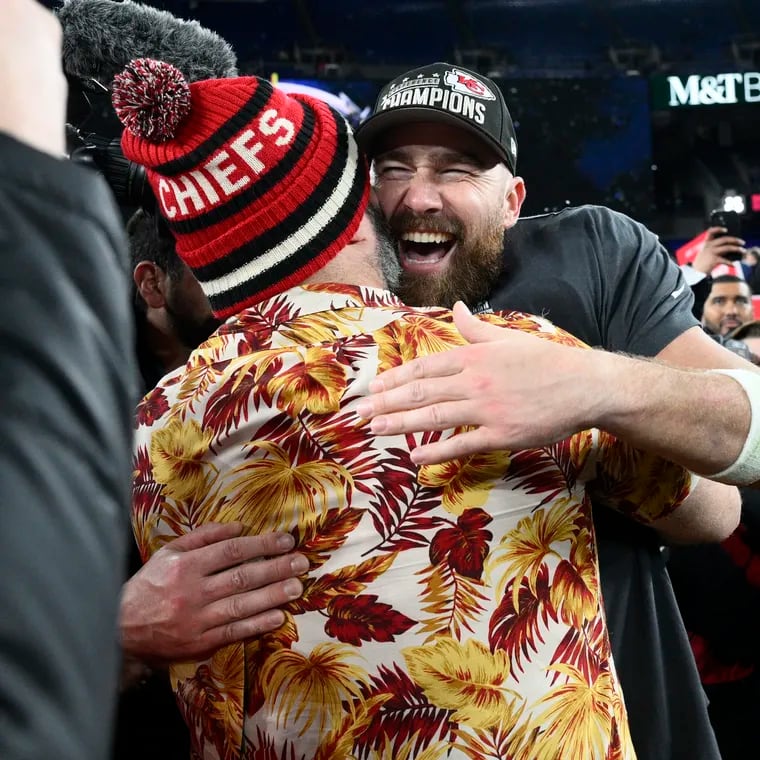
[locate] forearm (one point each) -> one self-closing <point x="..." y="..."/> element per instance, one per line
<point x="710" y="514"/>
<point x="514" y="391"/>
<point x="697" y="419"/>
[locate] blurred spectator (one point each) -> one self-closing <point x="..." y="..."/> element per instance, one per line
<point x="172" y="313"/>
<point x="149" y="725"/>
<point x="728" y="305"/>
<point x="749" y="334"/>
<point x="749" y="263"/>
<point x="718" y="591"/>
<point x="717" y="249"/>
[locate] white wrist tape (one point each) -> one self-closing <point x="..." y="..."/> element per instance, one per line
<point x="746" y="468"/>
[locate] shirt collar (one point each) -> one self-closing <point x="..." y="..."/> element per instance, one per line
<point x="328" y="296"/>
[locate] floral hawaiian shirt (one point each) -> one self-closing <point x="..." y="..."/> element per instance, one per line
<point x="450" y="611"/>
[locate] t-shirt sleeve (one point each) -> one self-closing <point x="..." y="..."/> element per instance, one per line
<point x="638" y="484"/>
<point x="646" y="301"/>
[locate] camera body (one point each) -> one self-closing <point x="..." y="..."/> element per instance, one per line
<point x="93" y="139"/>
<point x="127" y="180"/>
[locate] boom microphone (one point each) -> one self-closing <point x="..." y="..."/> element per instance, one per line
<point x="100" y="37"/>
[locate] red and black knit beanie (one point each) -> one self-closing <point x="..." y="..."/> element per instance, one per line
<point x="260" y="188"/>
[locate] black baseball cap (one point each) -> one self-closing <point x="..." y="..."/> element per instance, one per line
<point x="445" y="93"/>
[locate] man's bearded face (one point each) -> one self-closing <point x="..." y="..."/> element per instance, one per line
<point x="445" y="260"/>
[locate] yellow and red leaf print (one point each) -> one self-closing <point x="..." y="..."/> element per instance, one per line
<point x="465" y="546"/>
<point x="464" y="677"/>
<point x="228" y="406"/>
<point x="465" y="483"/>
<point x="404" y="712"/>
<point x="339" y="743"/>
<point x="516" y="628"/>
<point x="658" y="488"/>
<point x="510" y="739"/>
<point x="153" y="406"/>
<point x="313" y="329"/>
<point x="583" y="648"/>
<point x="261" y="319"/>
<point x="523" y="550"/>
<point x="146" y="492"/>
<point x="203" y="371"/>
<point x="575" y="588"/>
<point x="178" y="458"/>
<point x="353" y="619"/>
<point x="550" y="471"/>
<point x="306" y="689"/>
<point x="452" y="601"/>
<point x="411" y="336"/>
<point x="319" y="539"/>
<point x="578" y="720"/>
<point x="273" y="493"/>
<point x="449" y="611"/>
<point x="316" y="384"/>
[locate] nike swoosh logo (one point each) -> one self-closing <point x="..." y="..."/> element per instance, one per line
<point x="678" y="292"/>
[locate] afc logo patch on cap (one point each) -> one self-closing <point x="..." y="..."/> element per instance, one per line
<point x="466" y="83"/>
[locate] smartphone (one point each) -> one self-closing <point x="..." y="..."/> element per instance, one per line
<point x="731" y="221"/>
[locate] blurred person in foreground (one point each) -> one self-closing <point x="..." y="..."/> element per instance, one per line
<point x="69" y="391"/>
<point x="445" y="158"/>
<point x="410" y="636"/>
<point x="749" y="263"/>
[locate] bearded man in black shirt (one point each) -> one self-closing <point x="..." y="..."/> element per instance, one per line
<point x="444" y="152"/>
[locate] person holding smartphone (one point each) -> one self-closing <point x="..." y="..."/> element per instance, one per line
<point x="721" y="246"/>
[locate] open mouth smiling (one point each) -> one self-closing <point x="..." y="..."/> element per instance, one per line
<point x="425" y="251"/>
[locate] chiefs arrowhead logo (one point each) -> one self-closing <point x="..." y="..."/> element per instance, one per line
<point x="468" y="84"/>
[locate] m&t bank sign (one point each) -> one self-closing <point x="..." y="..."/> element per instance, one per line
<point x="696" y="90"/>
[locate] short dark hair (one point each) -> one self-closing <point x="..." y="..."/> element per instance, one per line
<point x="150" y="240"/>
<point x="729" y="278"/>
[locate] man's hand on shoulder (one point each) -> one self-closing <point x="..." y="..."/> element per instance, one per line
<point x="208" y="588"/>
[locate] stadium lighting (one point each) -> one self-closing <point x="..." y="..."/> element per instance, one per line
<point x="732" y="201"/>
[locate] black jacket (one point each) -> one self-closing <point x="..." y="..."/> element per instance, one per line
<point x="69" y="386"/>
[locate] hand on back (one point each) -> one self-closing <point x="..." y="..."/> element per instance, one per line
<point x="206" y="589"/>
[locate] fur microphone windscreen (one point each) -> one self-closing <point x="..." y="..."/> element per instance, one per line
<point x="100" y="37"/>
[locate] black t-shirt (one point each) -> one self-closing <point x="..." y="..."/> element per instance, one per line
<point x="607" y="280"/>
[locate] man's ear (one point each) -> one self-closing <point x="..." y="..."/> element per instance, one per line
<point x="513" y="201"/>
<point x="149" y="279"/>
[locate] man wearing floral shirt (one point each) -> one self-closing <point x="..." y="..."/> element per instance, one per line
<point x="449" y="611"/>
